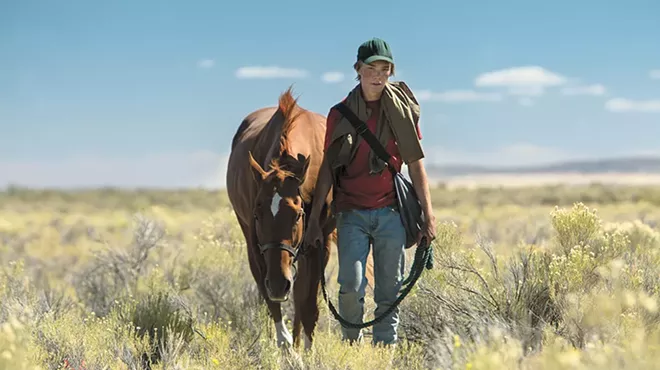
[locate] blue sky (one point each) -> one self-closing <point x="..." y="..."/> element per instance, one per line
<point x="151" y="92"/>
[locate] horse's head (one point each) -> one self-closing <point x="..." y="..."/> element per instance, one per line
<point x="279" y="221"/>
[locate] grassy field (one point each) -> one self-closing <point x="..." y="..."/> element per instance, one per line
<point x="526" y="278"/>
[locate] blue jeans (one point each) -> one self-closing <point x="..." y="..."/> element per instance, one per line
<point x="356" y="230"/>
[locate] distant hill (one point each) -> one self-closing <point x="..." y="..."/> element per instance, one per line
<point x="637" y="165"/>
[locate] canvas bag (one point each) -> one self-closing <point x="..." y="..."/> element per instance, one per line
<point x="409" y="207"/>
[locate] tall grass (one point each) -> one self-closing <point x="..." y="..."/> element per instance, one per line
<point x="154" y="280"/>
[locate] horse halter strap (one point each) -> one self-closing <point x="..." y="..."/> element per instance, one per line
<point x="286" y="246"/>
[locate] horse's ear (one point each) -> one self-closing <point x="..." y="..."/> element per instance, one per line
<point x="253" y="163"/>
<point x="304" y="161"/>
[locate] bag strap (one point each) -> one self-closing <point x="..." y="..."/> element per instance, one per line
<point x="362" y="130"/>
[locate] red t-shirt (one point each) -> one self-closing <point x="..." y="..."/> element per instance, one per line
<point x="358" y="189"/>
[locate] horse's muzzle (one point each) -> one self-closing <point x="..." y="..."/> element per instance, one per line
<point x="278" y="292"/>
<point x="279" y="289"/>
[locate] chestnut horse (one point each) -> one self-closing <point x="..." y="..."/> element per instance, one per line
<point x="275" y="158"/>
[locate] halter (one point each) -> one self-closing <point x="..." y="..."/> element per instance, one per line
<point x="294" y="252"/>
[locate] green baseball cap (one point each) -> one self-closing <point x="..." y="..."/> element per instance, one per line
<point x="373" y="50"/>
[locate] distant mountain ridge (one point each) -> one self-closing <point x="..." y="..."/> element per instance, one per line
<point x="649" y="165"/>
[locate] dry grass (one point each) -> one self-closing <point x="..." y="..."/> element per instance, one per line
<point x="105" y="279"/>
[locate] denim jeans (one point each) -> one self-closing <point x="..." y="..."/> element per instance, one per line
<point x="356" y="230"/>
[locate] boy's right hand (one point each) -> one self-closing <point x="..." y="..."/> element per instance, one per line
<point x="313" y="234"/>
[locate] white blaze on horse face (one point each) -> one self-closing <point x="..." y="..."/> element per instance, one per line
<point x="275" y="204"/>
<point x="283" y="335"/>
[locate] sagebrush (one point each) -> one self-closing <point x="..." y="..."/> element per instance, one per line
<point x="539" y="278"/>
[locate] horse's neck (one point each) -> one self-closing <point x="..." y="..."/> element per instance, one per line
<point x="267" y="146"/>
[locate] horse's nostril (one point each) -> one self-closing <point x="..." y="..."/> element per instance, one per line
<point x="287" y="287"/>
<point x="267" y="284"/>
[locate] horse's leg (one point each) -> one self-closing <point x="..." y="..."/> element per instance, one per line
<point x="299" y="295"/>
<point x="302" y="293"/>
<point x="309" y="305"/>
<point x="284" y="337"/>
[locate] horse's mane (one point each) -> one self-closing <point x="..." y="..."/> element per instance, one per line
<point x="290" y="110"/>
<point x="280" y="172"/>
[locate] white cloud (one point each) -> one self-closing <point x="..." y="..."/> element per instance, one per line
<point x="270" y="72"/>
<point x="332" y="77"/>
<point x="457" y="96"/>
<point x="206" y="63"/>
<point x="626" y="105"/>
<point x="201" y="168"/>
<point x="595" y="89"/>
<point x="655" y="74"/>
<point x="525" y="82"/>
<point x="520" y="76"/>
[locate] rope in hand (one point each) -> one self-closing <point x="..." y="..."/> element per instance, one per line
<point x="423" y="259"/>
